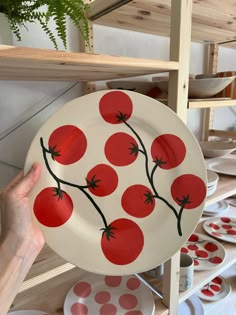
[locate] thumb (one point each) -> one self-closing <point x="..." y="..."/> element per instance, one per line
<point x="27" y="182"/>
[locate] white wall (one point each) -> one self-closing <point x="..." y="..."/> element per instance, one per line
<point x="19" y="101"/>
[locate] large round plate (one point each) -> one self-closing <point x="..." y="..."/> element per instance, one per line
<point x="205" y="251"/>
<point x="215" y="290"/>
<point x="113" y="295"/>
<point x="191" y="306"/>
<point x="222" y="165"/>
<point x="222" y="228"/>
<point x="118" y="178"/>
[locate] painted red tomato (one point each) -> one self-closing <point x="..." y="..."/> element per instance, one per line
<point x="115" y="107"/>
<point x="138" y="201"/>
<point x="193" y="238"/>
<point x="217" y="280"/>
<point x="53" y="208"/>
<point x="231" y="232"/>
<point x="168" y="151"/>
<point x="207" y="292"/>
<point x="215" y="288"/>
<point x="122" y="242"/>
<point x="192" y="247"/>
<point x="184" y="250"/>
<point x="211" y="247"/>
<point x="121" y="149"/>
<point x="102" y="180"/>
<point x="67" y="144"/>
<point x="188" y="191"/>
<point x="216" y="260"/>
<point x="201" y="253"/>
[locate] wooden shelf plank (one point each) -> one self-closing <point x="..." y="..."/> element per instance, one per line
<point x="19" y="63"/>
<point x="153" y="16"/>
<point x="226" y="188"/>
<point x="211" y="102"/>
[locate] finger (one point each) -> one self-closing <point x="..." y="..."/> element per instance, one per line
<point x="14" y="182"/>
<point x="27" y="182"/>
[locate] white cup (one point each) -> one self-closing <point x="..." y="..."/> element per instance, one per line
<point x="186" y="272"/>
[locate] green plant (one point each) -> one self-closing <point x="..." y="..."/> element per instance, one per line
<point x="21" y="11"/>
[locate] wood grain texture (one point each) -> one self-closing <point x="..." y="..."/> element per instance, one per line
<point x="213" y="20"/>
<point x="20" y="63"/>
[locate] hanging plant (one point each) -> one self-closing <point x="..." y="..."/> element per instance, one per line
<point x="43" y="11"/>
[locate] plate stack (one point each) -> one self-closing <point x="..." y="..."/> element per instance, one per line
<point x="212" y="182"/>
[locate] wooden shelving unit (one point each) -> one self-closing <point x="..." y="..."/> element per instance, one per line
<point x="51" y="277"/>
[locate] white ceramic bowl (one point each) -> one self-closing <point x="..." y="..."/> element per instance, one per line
<point x="216" y="148"/>
<point x="202" y="88"/>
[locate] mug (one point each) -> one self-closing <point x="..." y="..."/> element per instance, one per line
<point x="186" y="272"/>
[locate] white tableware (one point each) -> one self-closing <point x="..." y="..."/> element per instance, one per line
<point x="28" y="312"/>
<point x="217" y="208"/>
<point x="222" y="228"/>
<point x="211" y="190"/>
<point x="186" y="272"/>
<point x="212" y="178"/>
<point x="116" y="181"/>
<point x="206" y="252"/>
<point x="191" y="306"/>
<point x="96" y="294"/>
<point x="213" y="149"/>
<point x="202" y="88"/>
<point x="215" y="290"/>
<point x="222" y="165"/>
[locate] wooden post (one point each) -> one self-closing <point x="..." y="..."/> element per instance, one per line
<point x="180" y="41"/>
<point x="211" y="67"/>
<point x="88" y="87"/>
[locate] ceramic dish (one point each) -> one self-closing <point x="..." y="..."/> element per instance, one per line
<point x="215" y="290"/>
<point x="217" y="208"/>
<point x="117" y="180"/>
<point x="205" y="251"/>
<point x="222" y="228"/>
<point x="28" y="312"/>
<point x="213" y="149"/>
<point x="212" y="178"/>
<point x="202" y="88"/>
<point x="96" y="294"/>
<point x="222" y="165"/>
<point x="211" y="190"/>
<point x="191" y="306"/>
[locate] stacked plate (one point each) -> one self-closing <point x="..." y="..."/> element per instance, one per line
<point x="212" y="182"/>
<point x="216" y="209"/>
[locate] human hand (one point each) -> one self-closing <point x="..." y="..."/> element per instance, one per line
<point x="16" y="213"/>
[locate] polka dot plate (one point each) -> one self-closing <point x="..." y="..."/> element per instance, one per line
<point x="113" y="295"/>
<point x="118" y="180"/>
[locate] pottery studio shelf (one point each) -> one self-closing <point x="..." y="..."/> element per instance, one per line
<point x="20" y="63"/>
<point x="213" y="21"/>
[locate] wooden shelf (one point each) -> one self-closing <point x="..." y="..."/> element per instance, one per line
<point x="154" y="17"/>
<point x="226" y="188"/>
<point x="19" y="63"/>
<point x="211" y="102"/>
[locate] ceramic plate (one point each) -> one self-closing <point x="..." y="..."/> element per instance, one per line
<point x="28" y="312"/>
<point x="117" y="180"/>
<point x="223" y="165"/>
<point x="212" y="178"/>
<point x="217" y="289"/>
<point x="216" y="208"/>
<point x="222" y="228"/>
<point x="113" y="295"/>
<point x="192" y="306"/>
<point x="205" y="251"/>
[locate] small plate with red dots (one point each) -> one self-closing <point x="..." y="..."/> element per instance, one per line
<point x="215" y="290"/>
<point x="113" y="295"/>
<point x="222" y="228"/>
<point x="205" y="251"/>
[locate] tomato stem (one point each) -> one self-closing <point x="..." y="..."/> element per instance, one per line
<point x="150" y="177"/>
<point x="61" y="181"/>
